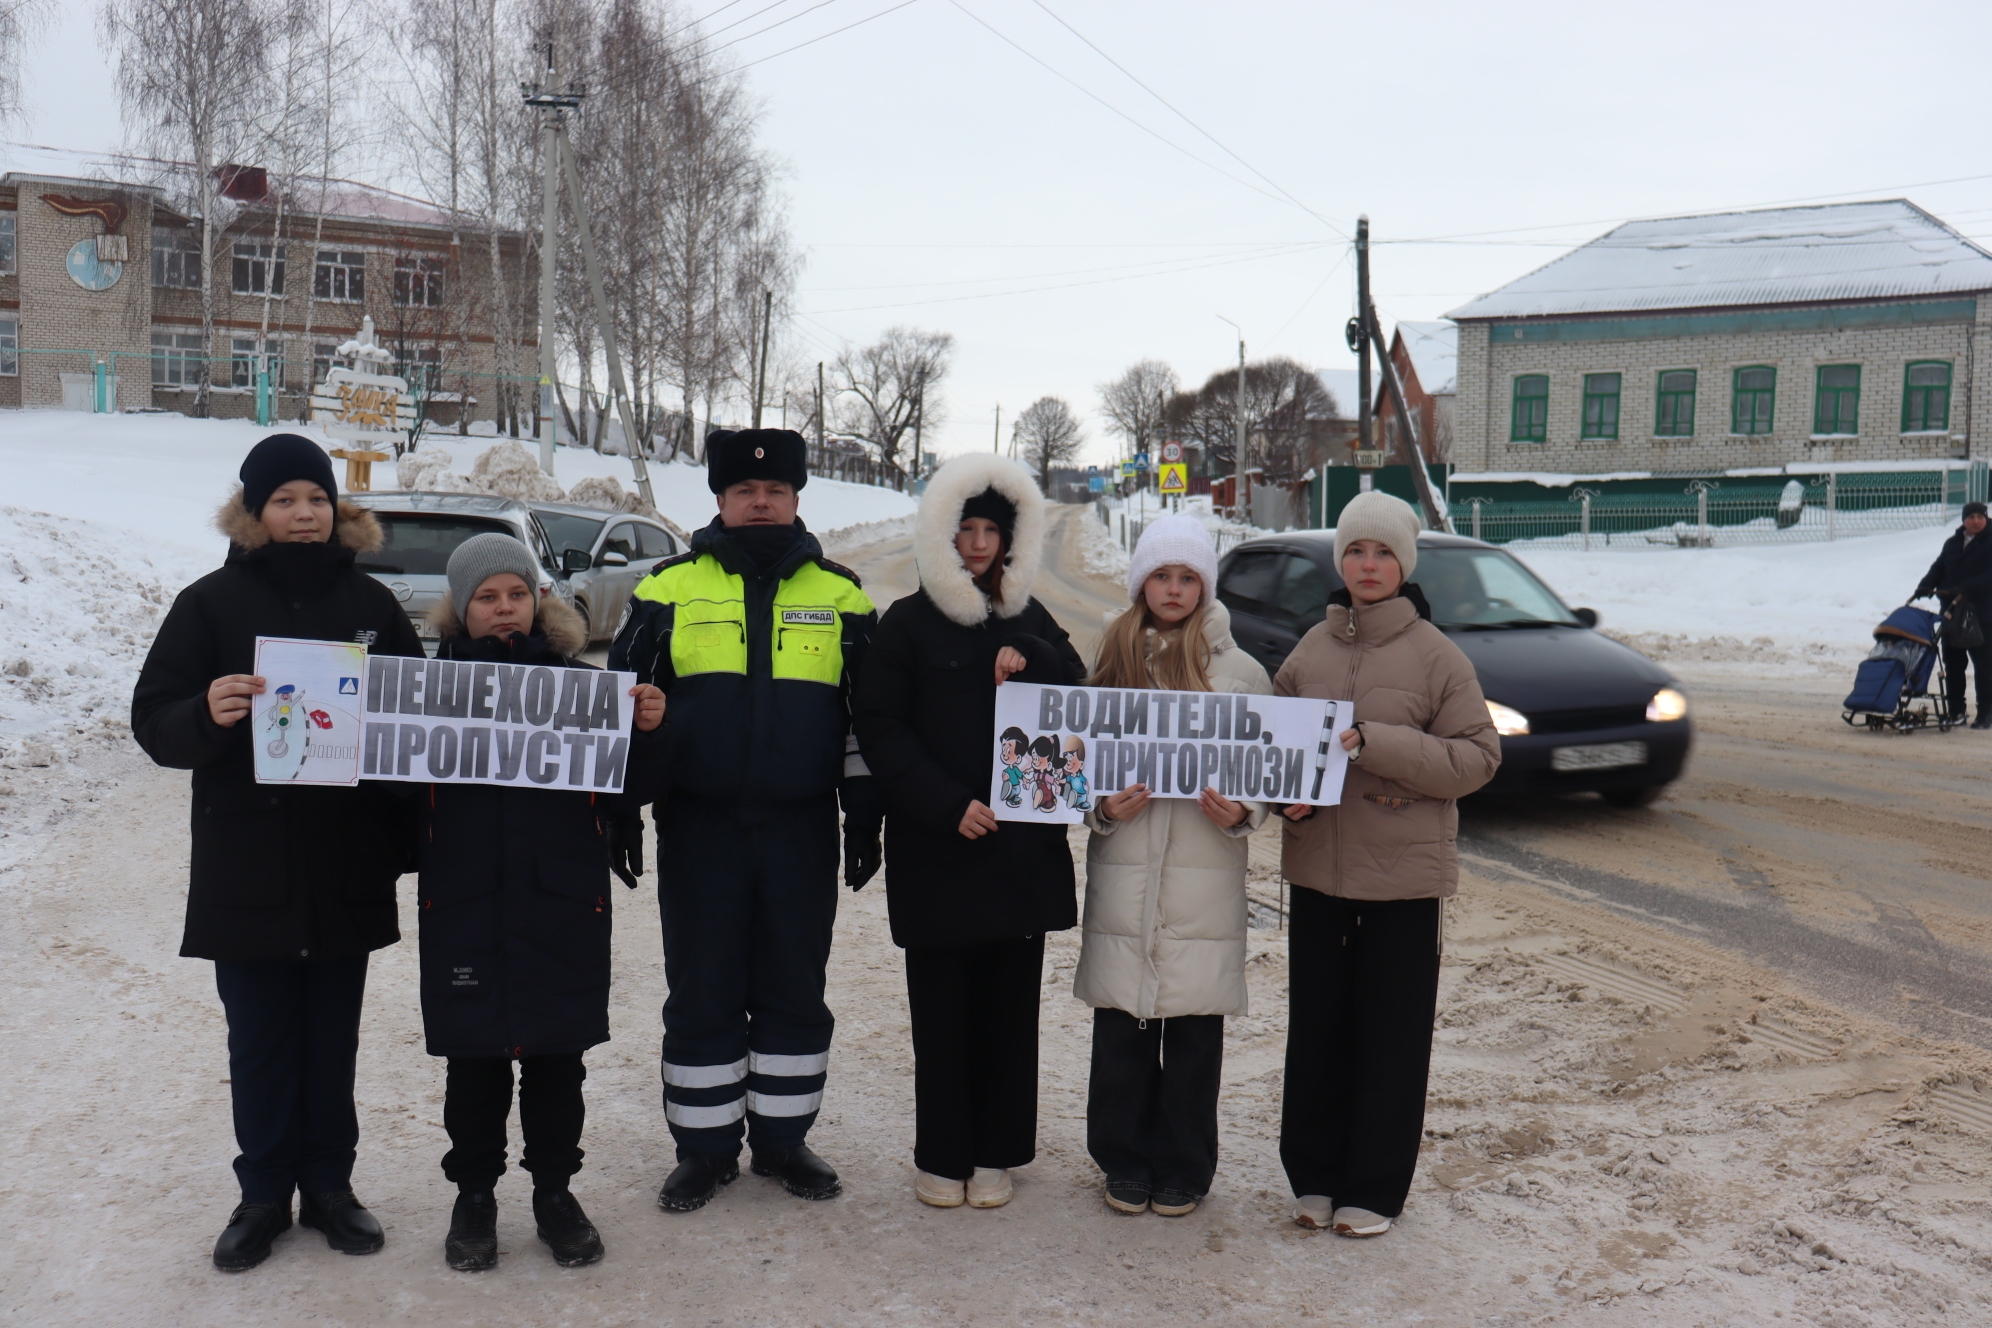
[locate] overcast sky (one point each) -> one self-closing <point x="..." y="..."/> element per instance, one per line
<point x="939" y="176"/>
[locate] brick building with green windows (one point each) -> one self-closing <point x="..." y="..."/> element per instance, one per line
<point x="1848" y="332"/>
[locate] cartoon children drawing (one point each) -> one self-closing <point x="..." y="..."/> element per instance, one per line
<point x="1016" y="755"/>
<point x="1078" y="792"/>
<point x="1044" y="778"/>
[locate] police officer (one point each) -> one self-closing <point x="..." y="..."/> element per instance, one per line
<point x="754" y="636"/>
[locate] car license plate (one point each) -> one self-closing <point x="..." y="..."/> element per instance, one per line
<point x="1603" y="756"/>
<point x="428" y="632"/>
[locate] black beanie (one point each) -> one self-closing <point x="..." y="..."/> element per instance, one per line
<point x="279" y="459"/>
<point x="756" y="454"/>
<point x="993" y="506"/>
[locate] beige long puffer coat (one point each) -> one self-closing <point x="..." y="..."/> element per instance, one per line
<point x="1165" y="890"/>
<point x="1427" y="742"/>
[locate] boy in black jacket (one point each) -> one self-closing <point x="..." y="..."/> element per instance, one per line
<point x="515" y="914"/>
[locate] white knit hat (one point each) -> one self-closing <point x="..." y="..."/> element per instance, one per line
<point x="1173" y="539"/>
<point x="1389" y="521"/>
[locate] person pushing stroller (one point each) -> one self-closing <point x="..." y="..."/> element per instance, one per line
<point x="1962" y="578"/>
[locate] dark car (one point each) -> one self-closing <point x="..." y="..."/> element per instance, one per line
<point x="1577" y="711"/>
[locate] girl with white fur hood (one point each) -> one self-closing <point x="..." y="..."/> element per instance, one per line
<point x="970" y="900"/>
<point x="1163" y="959"/>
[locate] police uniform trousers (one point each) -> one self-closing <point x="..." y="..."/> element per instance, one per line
<point x="749" y="895"/>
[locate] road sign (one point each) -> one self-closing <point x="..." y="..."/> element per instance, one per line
<point x="1141" y="461"/>
<point x="1172" y="451"/>
<point x="1369" y="460"/>
<point x="1096" y="483"/>
<point x="1127" y="470"/>
<point x="1175" y="478"/>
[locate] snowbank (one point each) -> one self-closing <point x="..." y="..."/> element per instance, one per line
<point x="1801" y="596"/>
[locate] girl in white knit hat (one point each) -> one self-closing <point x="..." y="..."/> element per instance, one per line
<point x="1162" y="959"/>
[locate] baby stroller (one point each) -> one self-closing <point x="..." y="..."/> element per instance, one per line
<point x="1892" y="686"/>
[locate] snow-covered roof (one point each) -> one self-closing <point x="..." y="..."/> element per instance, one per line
<point x="1434" y="352"/>
<point x="1839" y="251"/>
<point x="173" y="180"/>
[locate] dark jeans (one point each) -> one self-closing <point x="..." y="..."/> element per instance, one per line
<point x="1151" y="1105"/>
<point x="1981" y="668"/>
<point x="1362" y="988"/>
<point x="975" y="1044"/>
<point x="748" y="903"/>
<point x="293" y="1035"/>
<point x="477" y="1097"/>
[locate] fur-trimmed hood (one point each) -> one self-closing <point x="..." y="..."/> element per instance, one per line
<point x="942" y="576"/>
<point x="356" y="528"/>
<point x="566" y="630"/>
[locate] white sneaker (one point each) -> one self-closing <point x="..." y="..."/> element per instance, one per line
<point x="1311" y="1211"/>
<point x="937" y="1190"/>
<point x="1360" y="1222"/>
<point x="989" y="1187"/>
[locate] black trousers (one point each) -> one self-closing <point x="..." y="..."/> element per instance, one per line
<point x="748" y="903"/>
<point x="293" y="1035"/>
<point x="1151" y="1103"/>
<point x="1362" y="988"/>
<point x="477" y="1098"/>
<point x="975" y="1045"/>
<point x="1981" y="668"/>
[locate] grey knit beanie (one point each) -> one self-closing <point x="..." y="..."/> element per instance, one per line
<point x="483" y="556"/>
<point x="1389" y="521"/>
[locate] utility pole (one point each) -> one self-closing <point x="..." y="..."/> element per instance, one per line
<point x="1372" y="339"/>
<point x="996" y="439"/>
<point x="560" y="155"/>
<point x="919" y="417"/>
<point x="819" y="407"/>
<point x="1238" y="450"/>
<point x="761" y="372"/>
<point x="1359" y="335"/>
<point x="553" y="107"/>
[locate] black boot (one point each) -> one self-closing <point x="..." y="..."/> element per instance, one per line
<point x="349" y="1228"/>
<point x="245" y="1241"/>
<point x="1984" y="720"/>
<point x="801" y="1172"/>
<point x="565" y="1228"/>
<point x="695" y="1180"/>
<point x="472" y="1245"/>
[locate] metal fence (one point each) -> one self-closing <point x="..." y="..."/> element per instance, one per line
<point x="1712" y="513"/>
<point x="1125" y="529"/>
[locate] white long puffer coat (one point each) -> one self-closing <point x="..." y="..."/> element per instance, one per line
<point x="1165" y="890"/>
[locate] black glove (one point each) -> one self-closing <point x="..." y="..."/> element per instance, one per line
<point x="626" y="847"/>
<point x="863" y="853"/>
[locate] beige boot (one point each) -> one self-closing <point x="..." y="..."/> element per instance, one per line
<point x="989" y="1188"/>
<point x="1311" y="1211"/>
<point x="937" y="1190"/>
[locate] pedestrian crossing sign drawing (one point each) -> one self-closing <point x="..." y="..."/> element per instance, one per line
<point x="1175" y="477"/>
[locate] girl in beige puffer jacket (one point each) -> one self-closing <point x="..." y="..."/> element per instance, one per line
<point x="1162" y="959"/>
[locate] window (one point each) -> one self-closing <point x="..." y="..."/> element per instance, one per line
<point x="422" y="366"/>
<point x="10" y="347"/>
<point x="1926" y="397"/>
<point x="245" y="361"/>
<point x="339" y="274"/>
<point x="1601" y="405"/>
<point x="621" y="540"/>
<point x="1836" y="399"/>
<point x="1674" y="411"/>
<point x="259" y="269"/>
<point x="1303" y="594"/>
<point x="7" y="242"/>
<point x="566" y="531"/>
<point x="655" y="542"/>
<point x="176" y="257"/>
<point x="324" y="355"/>
<point x="1753" y="391"/>
<point x="1530" y="422"/>
<point x="176" y="359"/>
<point x="419" y="281"/>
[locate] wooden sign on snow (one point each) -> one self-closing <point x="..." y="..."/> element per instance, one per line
<point x="362" y="403"/>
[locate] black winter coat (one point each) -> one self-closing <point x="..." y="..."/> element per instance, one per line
<point x="277" y="873"/>
<point x="925" y="715"/>
<point x="515" y="895"/>
<point x="1966" y="571"/>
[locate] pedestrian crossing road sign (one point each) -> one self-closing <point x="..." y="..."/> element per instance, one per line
<point x="1175" y="477"/>
<point x="1127" y="470"/>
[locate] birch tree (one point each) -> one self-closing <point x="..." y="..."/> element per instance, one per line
<point x="22" y="22"/>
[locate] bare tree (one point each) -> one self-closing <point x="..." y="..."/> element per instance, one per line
<point x="1286" y="406"/>
<point x="883" y="388"/>
<point x="1136" y="403"/>
<point x="191" y="78"/>
<point x="1047" y="433"/>
<point x="21" y="23"/>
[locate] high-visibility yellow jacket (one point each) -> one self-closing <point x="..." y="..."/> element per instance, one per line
<point x="757" y="666"/>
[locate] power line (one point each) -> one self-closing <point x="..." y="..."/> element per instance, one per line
<point x="749" y="36"/>
<point x="1267" y="251"/>
<point x="1115" y="109"/>
<point x="1117" y="244"/>
<point x="826" y="36"/>
<point x="1270" y="341"/>
<point x="1188" y="121"/>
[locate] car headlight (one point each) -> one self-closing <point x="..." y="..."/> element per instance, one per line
<point x="1667" y="705"/>
<point x="1508" y="722"/>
